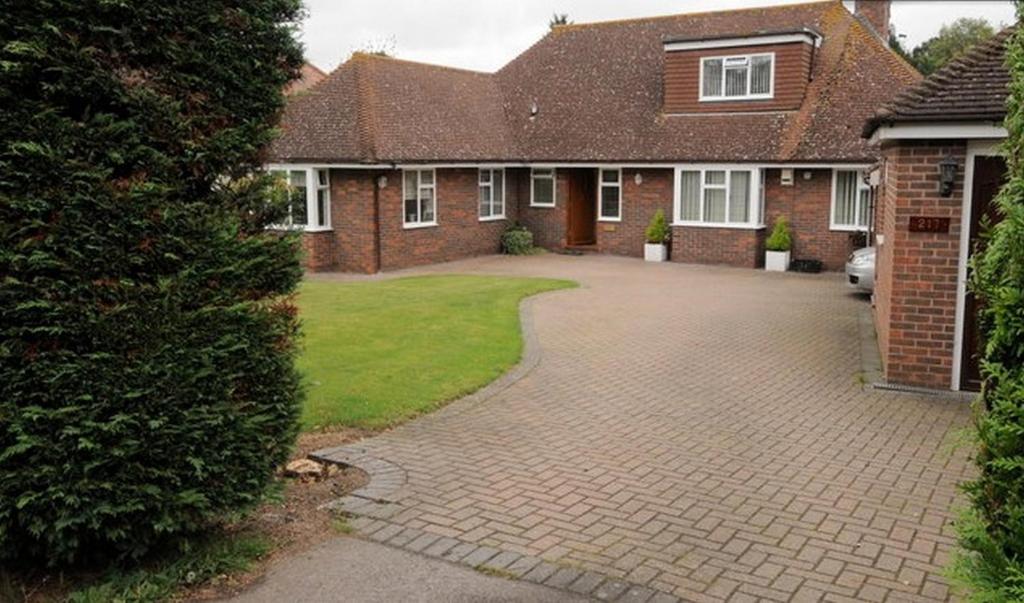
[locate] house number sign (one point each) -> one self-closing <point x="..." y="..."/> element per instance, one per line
<point x="927" y="224"/>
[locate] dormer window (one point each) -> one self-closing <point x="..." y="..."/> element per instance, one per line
<point x="739" y="77"/>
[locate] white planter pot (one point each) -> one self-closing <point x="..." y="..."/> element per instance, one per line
<point x="654" y="252"/>
<point x="776" y="261"/>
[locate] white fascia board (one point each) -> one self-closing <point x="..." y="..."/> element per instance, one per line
<point x="564" y="164"/>
<point x="805" y="37"/>
<point x="336" y="166"/>
<point x="939" y="130"/>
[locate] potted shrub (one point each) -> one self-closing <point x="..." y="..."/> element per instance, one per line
<point x="778" y="246"/>
<point x="658" y="234"/>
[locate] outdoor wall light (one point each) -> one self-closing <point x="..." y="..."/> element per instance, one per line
<point x="638" y="179"/>
<point x="947" y="175"/>
<point x="382" y="182"/>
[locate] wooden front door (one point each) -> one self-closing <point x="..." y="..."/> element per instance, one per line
<point x="581" y="206"/>
<point x="989" y="175"/>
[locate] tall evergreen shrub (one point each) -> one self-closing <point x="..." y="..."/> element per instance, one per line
<point x="147" y="384"/>
<point x="992" y="532"/>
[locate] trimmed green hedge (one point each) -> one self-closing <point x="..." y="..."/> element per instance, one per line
<point x="147" y="385"/>
<point x="991" y="564"/>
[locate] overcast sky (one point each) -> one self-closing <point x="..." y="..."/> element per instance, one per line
<point x="486" y="34"/>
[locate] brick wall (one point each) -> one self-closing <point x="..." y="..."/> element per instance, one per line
<point x="352" y="245"/>
<point x="318" y="251"/>
<point x="547" y="224"/>
<point x="885" y="222"/>
<point x="741" y="247"/>
<point x="639" y="203"/>
<point x="459" y="233"/>
<point x="915" y="296"/>
<point x="808" y="206"/>
<point x="352" y="217"/>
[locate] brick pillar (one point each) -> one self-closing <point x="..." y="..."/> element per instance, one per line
<point x="916" y="272"/>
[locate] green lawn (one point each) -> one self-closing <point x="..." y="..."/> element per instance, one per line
<point x="377" y="353"/>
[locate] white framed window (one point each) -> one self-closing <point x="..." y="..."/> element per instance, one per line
<point x="719" y="196"/>
<point x="542" y="187"/>
<point x="740" y="77"/>
<point x="322" y="211"/>
<point x="419" y="201"/>
<point x="851" y="201"/>
<point x="309" y="193"/>
<point x="609" y="198"/>
<point x="492" y="194"/>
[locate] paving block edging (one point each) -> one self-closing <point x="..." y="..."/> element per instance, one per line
<point x="372" y="505"/>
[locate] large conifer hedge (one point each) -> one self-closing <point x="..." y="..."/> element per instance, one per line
<point x="992" y="532"/>
<point x="147" y="384"/>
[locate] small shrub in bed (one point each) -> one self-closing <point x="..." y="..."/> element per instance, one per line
<point x="517" y="240"/>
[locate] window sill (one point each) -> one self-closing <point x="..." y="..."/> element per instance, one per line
<point x="419" y="225"/>
<point x="552" y="206"/>
<point x="720" y="225"/>
<point x="619" y="219"/>
<point x="733" y="99"/>
<point x="281" y="228"/>
<point x="492" y="218"/>
<point x="841" y="228"/>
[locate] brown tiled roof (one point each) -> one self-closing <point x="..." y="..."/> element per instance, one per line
<point x="972" y="87"/>
<point x="598" y="93"/>
<point x="309" y="76"/>
<point x="375" y="108"/>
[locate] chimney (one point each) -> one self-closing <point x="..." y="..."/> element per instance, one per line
<point x="876" y="13"/>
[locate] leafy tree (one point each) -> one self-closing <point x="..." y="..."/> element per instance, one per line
<point x="992" y="531"/>
<point x="953" y="39"/>
<point x="896" y="43"/>
<point x="147" y="380"/>
<point x="559" y="19"/>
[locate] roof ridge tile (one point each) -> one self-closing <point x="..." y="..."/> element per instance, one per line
<point x="571" y="26"/>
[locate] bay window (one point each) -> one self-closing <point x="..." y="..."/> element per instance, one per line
<point x="542" y="187"/>
<point x="492" y="194"/>
<point x="309" y="196"/>
<point x="609" y="206"/>
<point x="851" y="201"/>
<point x="419" y="202"/>
<point x="718" y="196"/>
<point x="737" y="77"/>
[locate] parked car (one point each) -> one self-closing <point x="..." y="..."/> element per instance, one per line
<point x="860" y="269"/>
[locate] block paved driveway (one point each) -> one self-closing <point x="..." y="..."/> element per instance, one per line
<point x="679" y="430"/>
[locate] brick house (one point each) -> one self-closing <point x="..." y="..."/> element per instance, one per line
<point x="725" y="120"/>
<point x="940" y="170"/>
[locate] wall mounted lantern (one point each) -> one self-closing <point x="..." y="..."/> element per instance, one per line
<point x="638" y="178"/>
<point x="947" y="175"/>
<point x="382" y="182"/>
